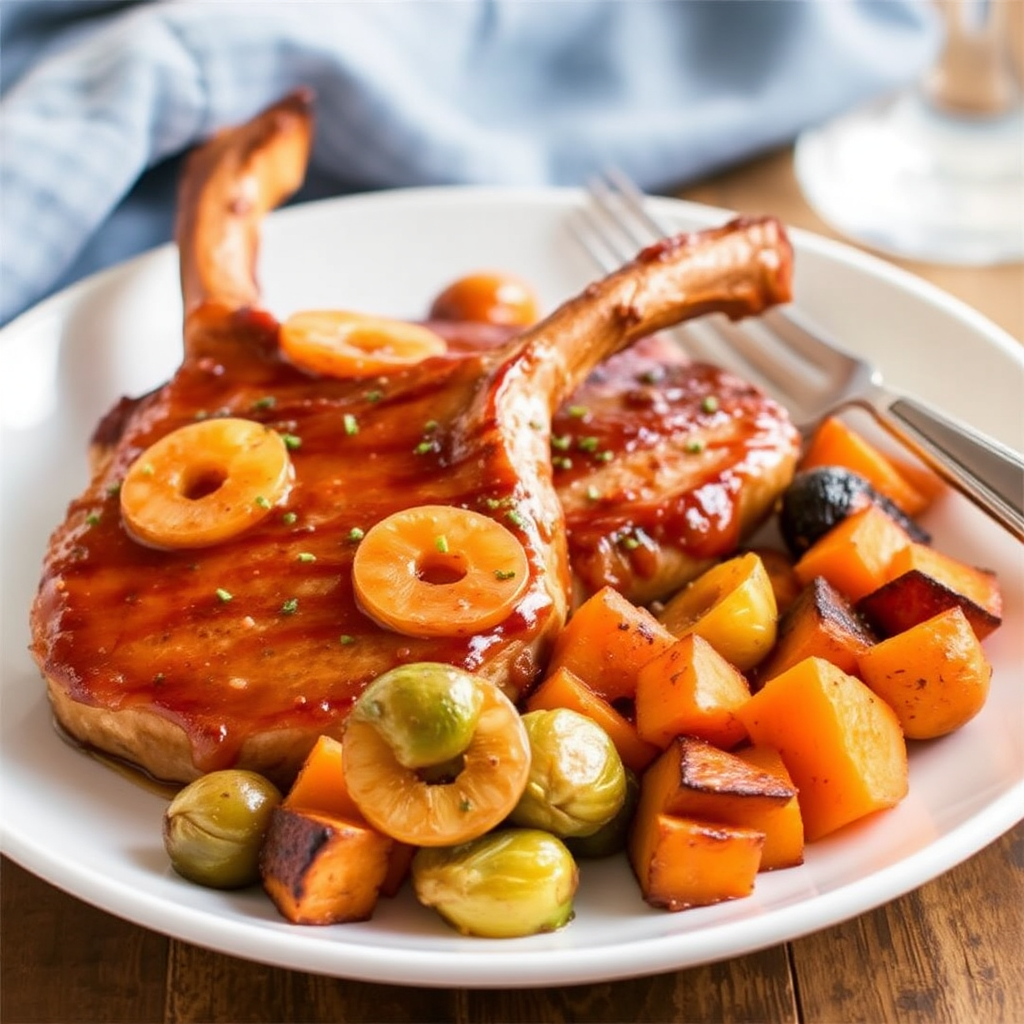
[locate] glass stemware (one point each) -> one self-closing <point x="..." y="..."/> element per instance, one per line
<point x="935" y="173"/>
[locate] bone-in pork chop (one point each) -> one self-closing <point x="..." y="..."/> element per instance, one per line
<point x="241" y="653"/>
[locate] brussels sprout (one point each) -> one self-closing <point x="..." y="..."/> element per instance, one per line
<point x="505" y="884"/>
<point x="577" y="781"/>
<point x="214" y="827"/>
<point x="426" y="712"/>
<point x="612" y="836"/>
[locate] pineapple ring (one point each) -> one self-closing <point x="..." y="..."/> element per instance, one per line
<point x="339" y="343"/>
<point x="205" y="483"/>
<point x="437" y="570"/>
<point x="492" y="774"/>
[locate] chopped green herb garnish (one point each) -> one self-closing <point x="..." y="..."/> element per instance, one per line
<point x="515" y="517"/>
<point x="430" y="426"/>
<point x="114" y="488"/>
<point x="375" y="395"/>
<point x="356" y="533"/>
<point x="266" y="402"/>
<point x="289" y="518"/>
<point x="345" y="639"/>
<point x="587" y="444"/>
<point x="562" y="462"/>
<point x="630" y="543"/>
<point x="93" y="519"/>
<point x="709" y="404"/>
<point x="262" y="502"/>
<point x="290" y="607"/>
<point x="305" y="556"/>
<point x="695" y="447"/>
<point x="351" y="424"/>
<point x="465" y="805"/>
<point x="561" y="443"/>
<point x="424" y="447"/>
<point x="291" y="441"/>
<point x="593" y="494"/>
<point x="536" y="425"/>
<point x="605" y="456"/>
<point x="441" y="543"/>
<point x="223" y="595"/>
<point x="504" y="574"/>
<point x="577" y="412"/>
<point x="147" y="468"/>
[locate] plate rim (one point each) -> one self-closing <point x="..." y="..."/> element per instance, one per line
<point x="541" y="966"/>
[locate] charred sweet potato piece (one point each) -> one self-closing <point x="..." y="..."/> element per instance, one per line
<point x="913" y="597"/>
<point x="690" y="689"/>
<point x="693" y="779"/>
<point x="320" y="787"/>
<point x="821" y="623"/>
<point x="934" y="675"/>
<point x="783" y="826"/>
<point x="681" y="862"/>
<point x="563" y="689"/>
<point x="841" y="743"/>
<point x="855" y="555"/>
<point x="978" y="585"/>
<point x="320" y="869"/>
<point x="606" y="642"/>
<point x="835" y="443"/>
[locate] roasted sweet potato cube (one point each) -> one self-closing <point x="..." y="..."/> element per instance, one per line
<point x="320" y="787"/>
<point x="320" y="869"/>
<point x="821" y="623"/>
<point x="841" y="743"/>
<point x="320" y="784"/>
<point x="914" y="597"/>
<point x="681" y="862"/>
<point x="835" y="443"/>
<point x="563" y="689"/>
<point x="934" y="675"/>
<point x="690" y="689"/>
<point x="693" y="779"/>
<point x="978" y="585"/>
<point x="606" y="641"/>
<point x="783" y="826"/>
<point x="854" y="556"/>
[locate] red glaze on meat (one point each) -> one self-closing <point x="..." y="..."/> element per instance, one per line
<point x="143" y="655"/>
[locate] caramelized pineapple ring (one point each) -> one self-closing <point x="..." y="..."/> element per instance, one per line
<point x="458" y="801"/>
<point x="338" y="343"/>
<point x="205" y="483"/>
<point x="436" y="570"/>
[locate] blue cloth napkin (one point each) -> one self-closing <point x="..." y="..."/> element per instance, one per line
<point x="98" y="99"/>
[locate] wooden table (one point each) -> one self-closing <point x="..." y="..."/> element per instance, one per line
<point x="953" y="950"/>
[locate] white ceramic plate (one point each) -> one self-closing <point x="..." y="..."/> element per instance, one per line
<point x="91" y="832"/>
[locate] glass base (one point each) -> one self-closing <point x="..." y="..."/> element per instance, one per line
<point x="909" y="181"/>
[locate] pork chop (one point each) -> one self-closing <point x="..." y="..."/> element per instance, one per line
<point x="244" y="652"/>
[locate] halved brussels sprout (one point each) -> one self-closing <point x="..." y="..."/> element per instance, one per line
<point x="214" y="827"/>
<point x="427" y="712"/>
<point x="577" y="781"/>
<point x="508" y="883"/>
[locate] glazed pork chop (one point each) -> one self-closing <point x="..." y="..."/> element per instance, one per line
<point x="242" y="652"/>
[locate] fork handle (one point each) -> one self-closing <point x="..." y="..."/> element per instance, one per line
<point x="984" y="470"/>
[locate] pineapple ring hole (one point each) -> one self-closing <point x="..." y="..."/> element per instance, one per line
<point x="202" y="481"/>
<point x="441" y="570"/>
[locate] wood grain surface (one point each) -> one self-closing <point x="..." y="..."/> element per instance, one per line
<point x="950" y="951"/>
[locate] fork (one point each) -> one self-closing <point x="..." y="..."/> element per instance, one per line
<point x="809" y="373"/>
